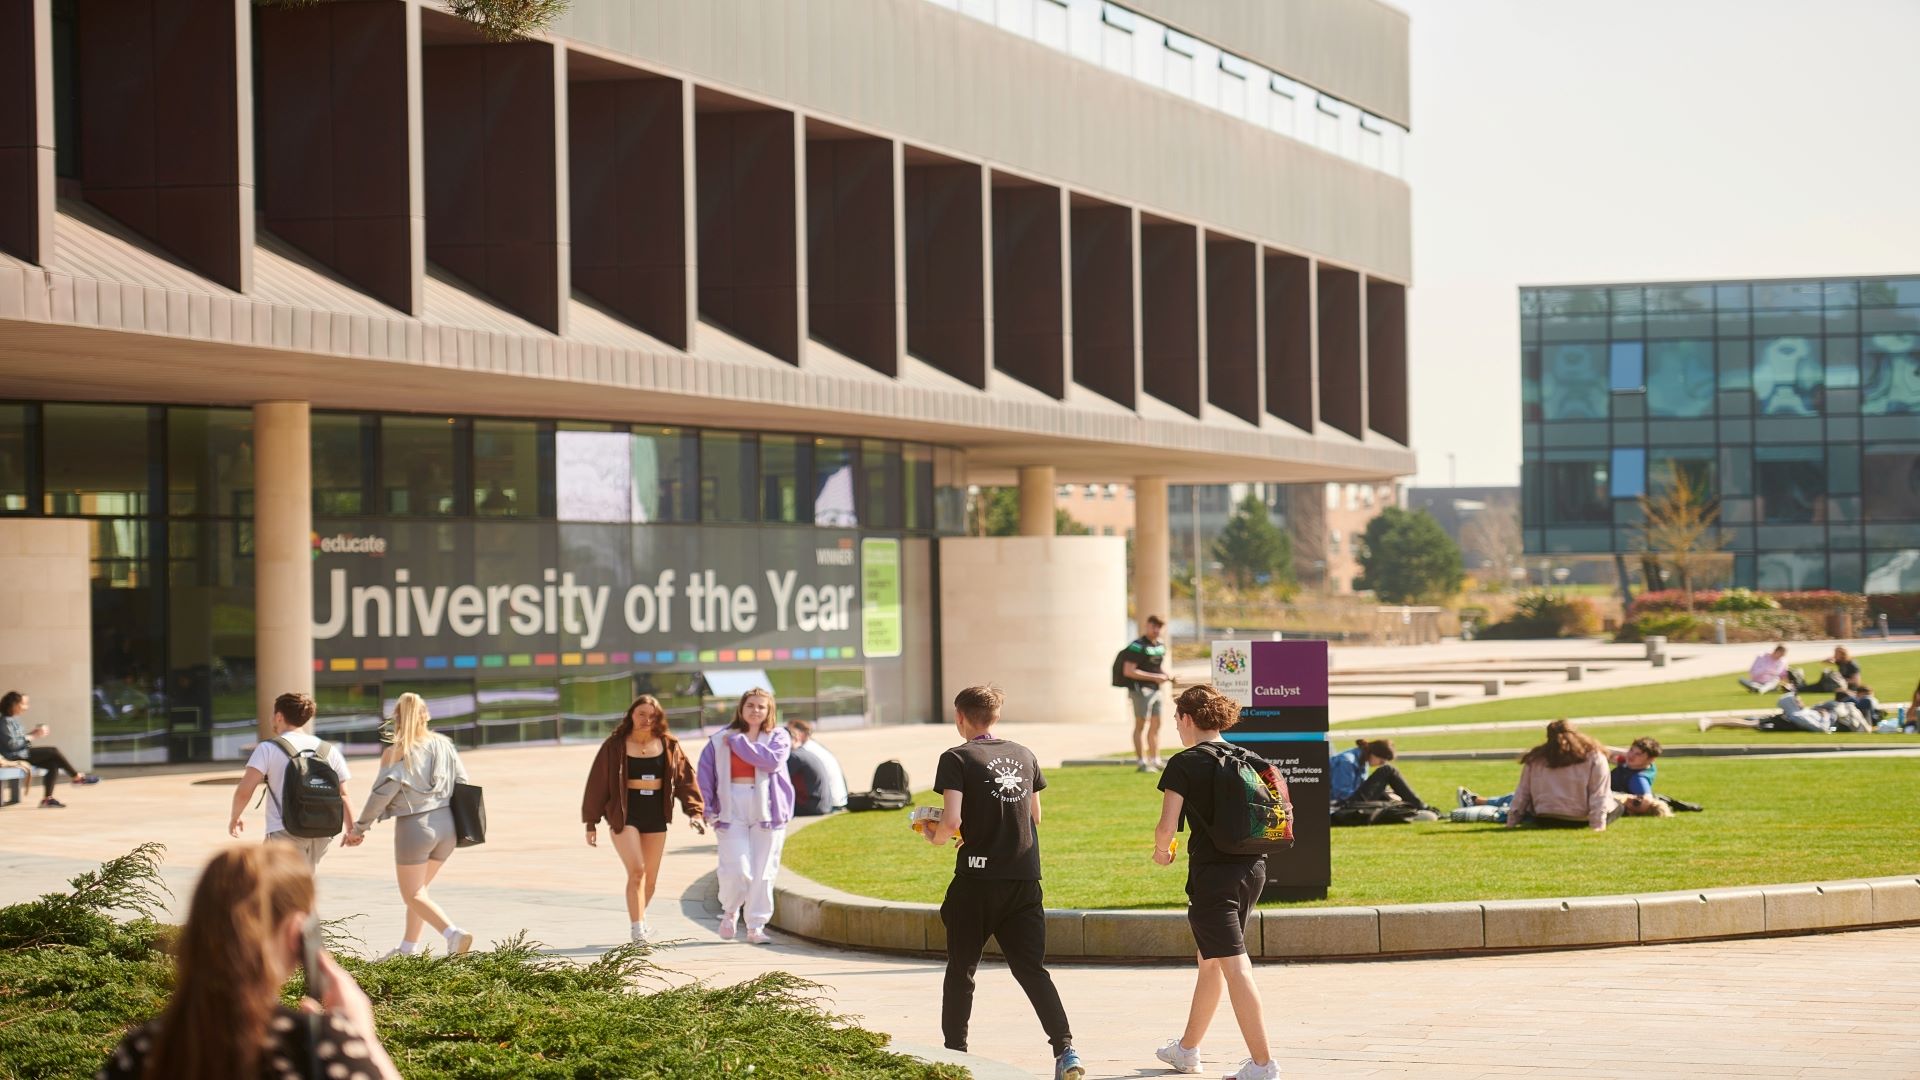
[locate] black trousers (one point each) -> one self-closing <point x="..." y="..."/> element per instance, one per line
<point x="1013" y="913"/>
<point x="51" y="759"/>
<point x="1381" y="780"/>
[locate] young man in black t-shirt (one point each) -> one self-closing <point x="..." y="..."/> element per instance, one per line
<point x="1221" y="888"/>
<point x="990" y="790"/>
<point x="1147" y="680"/>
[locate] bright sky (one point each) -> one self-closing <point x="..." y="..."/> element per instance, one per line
<point x="1630" y="140"/>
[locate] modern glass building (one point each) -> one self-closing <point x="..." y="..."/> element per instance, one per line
<point x="345" y="347"/>
<point x="1795" y="403"/>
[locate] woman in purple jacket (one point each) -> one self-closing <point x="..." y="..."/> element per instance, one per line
<point x="749" y="800"/>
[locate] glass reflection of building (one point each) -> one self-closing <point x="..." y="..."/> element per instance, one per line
<point x="1794" y="404"/>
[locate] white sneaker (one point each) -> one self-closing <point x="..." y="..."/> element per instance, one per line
<point x="1249" y="1071"/>
<point x="642" y="932"/>
<point x="1178" y="1057"/>
<point x="757" y="936"/>
<point x="729" y="925"/>
<point x="458" y="941"/>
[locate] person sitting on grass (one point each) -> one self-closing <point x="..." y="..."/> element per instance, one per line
<point x="1770" y="672"/>
<point x="1366" y="773"/>
<point x="1842" y="673"/>
<point x="1794" y="715"/>
<point x="1633" y="768"/>
<point x="1563" y="782"/>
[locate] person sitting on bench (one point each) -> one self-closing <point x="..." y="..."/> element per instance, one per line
<point x="16" y="742"/>
<point x="1770" y="672"/>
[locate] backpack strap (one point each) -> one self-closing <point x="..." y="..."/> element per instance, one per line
<point x="287" y="749"/>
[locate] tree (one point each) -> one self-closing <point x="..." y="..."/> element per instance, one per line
<point x="1407" y="557"/>
<point x="1681" y="527"/>
<point x="997" y="513"/>
<point x="1252" y="549"/>
<point x="1493" y="536"/>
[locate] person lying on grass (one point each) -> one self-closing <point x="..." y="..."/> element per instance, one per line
<point x="1633" y="768"/>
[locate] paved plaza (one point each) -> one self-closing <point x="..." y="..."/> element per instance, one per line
<point x="1839" y="1005"/>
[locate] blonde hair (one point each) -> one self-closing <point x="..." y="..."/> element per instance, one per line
<point x="410" y="733"/>
<point x="226" y="989"/>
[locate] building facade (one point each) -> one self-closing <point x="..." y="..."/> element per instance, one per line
<point x="1795" y="404"/>
<point x="656" y="353"/>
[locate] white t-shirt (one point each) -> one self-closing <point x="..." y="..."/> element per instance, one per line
<point x="272" y="763"/>
<point x="836" y="778"/>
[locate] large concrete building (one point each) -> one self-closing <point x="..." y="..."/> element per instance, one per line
<point x="343" y="348"/>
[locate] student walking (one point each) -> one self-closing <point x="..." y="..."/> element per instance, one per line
<point x="748" y="798"/>
<point x="415" y="786"/>
<point x="16" y="744"/>
<point x="635" y="779"/>
<point x="1143" y="672"/>
<point x="273" y="762"/>
<point x="993" y="786"/>
<point x="1222" y="887"/>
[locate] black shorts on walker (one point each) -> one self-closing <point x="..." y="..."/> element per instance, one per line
<point x="1220" y="901"/>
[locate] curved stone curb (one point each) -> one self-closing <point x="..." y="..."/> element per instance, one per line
<point x="810" y="910"/>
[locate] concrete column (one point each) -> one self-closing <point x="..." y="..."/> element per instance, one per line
<point x="282" y="554"/>
<point x="1036" y="500"/>
<point x="47" y="637"/>
<point x="1152" y="556"/>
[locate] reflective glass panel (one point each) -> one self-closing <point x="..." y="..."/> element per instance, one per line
<point x="729" y="464"/>
<point x="1698" y="464"/>
<point x="1627" y="365"/>
<point x="416" y="465"/>
<point x="96" y="459"/>
<point x="835" y="467"/>
<point x="210" y="462"/>
<point x="1890" y="375"/>
<point x="1573" y="382"/>
<point x="1893" y="571"/>
<point x="1890" y="483"/>
<point x="1790" y="482"/>
<point x="1577" y="491"/>
<point x="1792" y="570"/>
<point x="1788" y="376"/>
<point x="786" y="479"/>
<point x="16" y="462"/>
<point x="917" y="486"/>
<point x="339" y="449"/>
<point x="1628" y="473"/>
<point x="666" y="475"/>
<point x="506" y="468"/>
<point x="1680" y="380"/>
<point x="592" y="474"/>
<point x="880" y="466"/>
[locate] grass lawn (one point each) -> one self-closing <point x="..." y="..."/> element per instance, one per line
<point x="1098" y="834"/>
<point x="1892" y="675"/>
<point x="1674" y="734"/>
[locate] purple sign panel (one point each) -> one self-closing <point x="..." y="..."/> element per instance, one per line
<point x="1287" y="725"/>
<point x="1290" y="674"/>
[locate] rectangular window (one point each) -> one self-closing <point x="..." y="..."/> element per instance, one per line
<point x="1788" y="376"/>
<point x="1577" y="491"/>
<point x="1697" y="464"/>
<point x="919" y="486"/>
<point x="666" y="475"/>
<point x="341" y="447"/>
<point x="1282" y="100"/>
<point x="96" y="459"/>
<point x="729" y="464"/>
<point x="1680" y="378"/>
<point x="835" y="475"/>
<point x="1627" y="473"/>
<point x="210" y="462"/>
<point x="1890" y="482"/>
<point x="592" y="473"/>
<point x="1573" y="382"/>
<point x="786" y="479"/>
<point x="1116" y="39"/>
<point x="1790" y="482"/>
<point x="417" y="455"/>
<point x="1627" y="365"/>
<point x="506" y="468"/>
<point x="880" y="469"/>
<point x="17" y="439"/>
<point x="1890" y="375"/>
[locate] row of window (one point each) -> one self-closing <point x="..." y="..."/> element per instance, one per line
<point x="1632" y="300"/>
<point x="1793" y="375"/>
<point x="1134" y="45"/>
<point x="1095" y="491"/>
<point x="1768" y="484"/>
<point x="136" y="461"/>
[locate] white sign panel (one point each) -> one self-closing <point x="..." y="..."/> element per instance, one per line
<point x="1233" y="670"/>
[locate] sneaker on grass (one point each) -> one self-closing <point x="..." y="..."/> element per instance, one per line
<point x="1466" y="797"/>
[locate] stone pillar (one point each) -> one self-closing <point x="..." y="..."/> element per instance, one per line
<point x="1152" y="570"/>
<point x="47" y="637"/>
<point x="1036" y="500"/>
<point x="282" y="554"/>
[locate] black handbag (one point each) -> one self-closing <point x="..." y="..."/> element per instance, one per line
<point x="469" y="815"/>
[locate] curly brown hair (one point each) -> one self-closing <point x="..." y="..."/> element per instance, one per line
<point x="1209" y="709"/>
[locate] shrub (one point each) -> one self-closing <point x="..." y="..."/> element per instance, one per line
<point x="1822" y="601"/>
<point x="1758" y="625"/>
<point x="1542" y="613"/>
<point x="72" y="980"/>
<point x="1902" y="609"/>
<point x="1743" y="600"/>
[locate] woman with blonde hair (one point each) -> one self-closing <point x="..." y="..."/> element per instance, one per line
<point x="415" y="785"/>
<point x="245" y="933"/>
<point x="749" y="800"/>
<point x="636" y="777"/>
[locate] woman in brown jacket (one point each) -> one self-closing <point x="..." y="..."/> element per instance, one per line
<point x="638" y="774"/>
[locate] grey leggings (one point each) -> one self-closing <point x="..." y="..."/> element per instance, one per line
<point x="419" y="838"/>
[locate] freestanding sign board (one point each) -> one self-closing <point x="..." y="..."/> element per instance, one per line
<point x="1282" y="690"/>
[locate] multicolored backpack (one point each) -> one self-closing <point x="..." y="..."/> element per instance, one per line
<point x="1252" y="813"/>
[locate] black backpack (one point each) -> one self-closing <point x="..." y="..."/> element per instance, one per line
<point x="1120" y="666"/>
<point x="1252" y="812"/>
<point x="1382" y="812"/>
<point x="309" y="793"/>
<point x="891" y="789"/>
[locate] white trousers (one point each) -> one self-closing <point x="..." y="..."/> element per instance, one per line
<point x="749" y="861"/>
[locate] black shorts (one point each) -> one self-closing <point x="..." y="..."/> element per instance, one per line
<point x="1220" y="901"/>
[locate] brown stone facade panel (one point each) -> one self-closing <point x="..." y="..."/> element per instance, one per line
<point x="1233" y="328"/>
<point x="746" y="199"/>
<point x="627" y="172"/>
<point x="946" y="253"/>
<point x="1104" y="350"/>
<point x="1170" y="313"/>
<point x="851" y="299"/>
